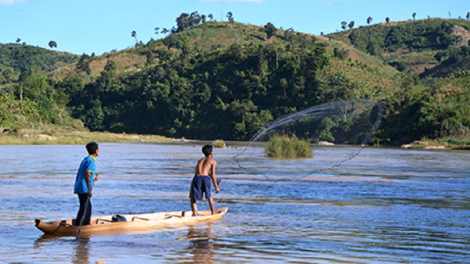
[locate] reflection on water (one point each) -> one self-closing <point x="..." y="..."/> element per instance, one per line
<point x="201" y="243"/>
<point x="81" y="251"/>
<point x="384" y="206"/>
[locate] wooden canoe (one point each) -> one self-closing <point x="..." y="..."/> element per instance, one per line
<point x="105" y="224"/>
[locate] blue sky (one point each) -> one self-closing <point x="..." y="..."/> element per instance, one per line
<point x="99" y="26"/>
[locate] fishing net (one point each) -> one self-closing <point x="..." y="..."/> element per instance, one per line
<point x="333" y="132"/>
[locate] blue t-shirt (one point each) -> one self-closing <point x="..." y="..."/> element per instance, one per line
<point x="88" y="164"/>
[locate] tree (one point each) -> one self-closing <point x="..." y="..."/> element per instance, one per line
<point x="343" y="25"/>
<point x="134" y="35"/>
<point x="468" y="15"/>
<point x="351" y="24"/>
<point x="18" y="40"/>
<point x="52" y="44"/>
<point x="270" y="29"/>
<point x="194" y="19"/>
<point x="8" y="74"/>
<point x="387" y="19"/>
<point x="182" y="22"/>
<point x="369" y="20"/>
<point x="110" y="66"/>
<point x="83" y="65"/>
<point x="165" y="31"/>
<point x="414" y="16"/>
<point x="439" y="56"/>
<point x="211" y="17"/>
<point x="230" y="17"/>
<point x="157" y="29"/>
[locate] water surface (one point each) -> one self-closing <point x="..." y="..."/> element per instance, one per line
<point x="384" y="206"/>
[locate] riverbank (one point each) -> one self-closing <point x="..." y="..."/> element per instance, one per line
<point x="462" y="143"/>
<point x="65" y="137"/>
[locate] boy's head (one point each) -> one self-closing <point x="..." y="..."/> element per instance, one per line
<point x="92" y="148"/>
<point x="207" y="150"/>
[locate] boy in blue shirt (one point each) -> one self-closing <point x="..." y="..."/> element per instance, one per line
<point x="86" y="176"/>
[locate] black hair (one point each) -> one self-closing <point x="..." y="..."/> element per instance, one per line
<point x="207" y="149"/>
<point x="92" y="147"/>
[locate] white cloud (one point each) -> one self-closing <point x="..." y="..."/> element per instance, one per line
<point x="11" y="2"/>
<point x="233" y="1"/>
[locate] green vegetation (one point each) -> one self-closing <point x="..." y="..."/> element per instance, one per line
<point x="208" y="80"/>
<point x="224" y="92"/>
<point x="413" y="46"/>
<point x="286" y="147"/>
<point x="219" y="143"/>
<point x="22" y="57"/>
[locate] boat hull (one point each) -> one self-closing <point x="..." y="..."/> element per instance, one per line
<point x="105" y="224"/>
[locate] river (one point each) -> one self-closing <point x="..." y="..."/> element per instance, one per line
<point x="383" y="206"/>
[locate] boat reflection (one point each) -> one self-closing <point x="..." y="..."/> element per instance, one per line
<point x="78" y="250"/>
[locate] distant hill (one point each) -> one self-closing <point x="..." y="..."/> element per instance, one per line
<point x="411" y="46"/>
<point x="24" y="57"/>
<point x="220" y="80"/>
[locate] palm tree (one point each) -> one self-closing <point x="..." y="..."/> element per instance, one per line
<point x="387" y="19"/>
<point x="369" y="20"/>
<point x="414" y="16"/>
<point x="468" y="15"/>
<point x="157" y="29"/>
<point x="343" y="25"/>
<point x="134" y="35"/>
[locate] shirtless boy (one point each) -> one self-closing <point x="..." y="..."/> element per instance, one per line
<point x="205" y="173"/>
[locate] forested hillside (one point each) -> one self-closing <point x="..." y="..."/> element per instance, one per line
<point x="219" y="80"/>
<point x="22" y="57"/>
<point x="413" y="47"/>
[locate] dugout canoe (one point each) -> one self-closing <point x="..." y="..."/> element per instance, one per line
<point x="105" y="224"/>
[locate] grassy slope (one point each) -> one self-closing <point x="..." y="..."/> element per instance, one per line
<point x="367" y="71"/>
<point x="415" y="61"/>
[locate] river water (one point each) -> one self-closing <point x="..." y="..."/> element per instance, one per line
<point x="384" y="206"/>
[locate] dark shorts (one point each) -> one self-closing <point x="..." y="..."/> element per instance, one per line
<point x="199" y="186"/>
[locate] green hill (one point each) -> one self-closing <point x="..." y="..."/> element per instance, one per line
<point x="25" y="57"/>
<point x="226" y="80"/>
<point x="413" y="47"/>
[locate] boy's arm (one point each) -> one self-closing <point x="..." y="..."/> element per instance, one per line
<point x="87" y="180"/>
<point x="214" y="178"/>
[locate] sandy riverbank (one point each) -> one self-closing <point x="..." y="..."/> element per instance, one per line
<point x="76" y="137"/>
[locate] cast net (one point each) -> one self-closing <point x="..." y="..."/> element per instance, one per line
<point x="335" y="133"/>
